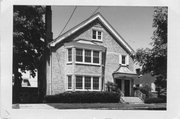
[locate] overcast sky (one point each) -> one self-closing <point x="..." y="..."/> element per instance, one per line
<point x="134" y="24"/>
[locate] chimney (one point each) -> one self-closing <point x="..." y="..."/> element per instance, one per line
<point x="48" y="24"/>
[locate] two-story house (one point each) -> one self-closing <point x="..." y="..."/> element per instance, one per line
<point x="87" y="56"/>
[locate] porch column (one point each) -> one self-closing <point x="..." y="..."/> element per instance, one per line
<point x="122" y="85"/>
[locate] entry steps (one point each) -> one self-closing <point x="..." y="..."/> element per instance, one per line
<point x="131" y="100"/>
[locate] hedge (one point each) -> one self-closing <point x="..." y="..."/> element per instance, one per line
<point x="154" y="100"/>
<point x="83" y="97"/>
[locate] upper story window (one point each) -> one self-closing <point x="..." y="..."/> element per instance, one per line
<point x="124" y="59"/>
<point x="69" y="55"/>
<point x="97" y="35"/>
<point x="79" y="55"/>
<point x="87" y="55"/>
<point x="95" y="56"/>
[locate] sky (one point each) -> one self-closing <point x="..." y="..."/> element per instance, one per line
<point x="134" y="24"/>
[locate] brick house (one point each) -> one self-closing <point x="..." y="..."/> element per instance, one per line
<point x="87" y="56"/>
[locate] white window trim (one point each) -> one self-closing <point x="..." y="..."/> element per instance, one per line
<point x="68" y="55"/>
<point x="83" y="86"/>
<point x="71" y="83"/>
<point x="97" y="35"/>
<point x="88" y="63"/>
<point x="126" y="60"/>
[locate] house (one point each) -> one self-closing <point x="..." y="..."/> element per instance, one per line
<point x="87" y="56"/>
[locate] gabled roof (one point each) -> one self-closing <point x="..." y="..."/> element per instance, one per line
<point x="85" y="23"/>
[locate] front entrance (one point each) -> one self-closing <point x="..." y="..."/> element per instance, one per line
<point x="126" y="87"/>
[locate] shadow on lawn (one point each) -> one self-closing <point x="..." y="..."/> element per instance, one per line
<point x="108" y="106"/>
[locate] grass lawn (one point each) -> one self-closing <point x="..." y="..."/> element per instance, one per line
<point x="109" y="106"/>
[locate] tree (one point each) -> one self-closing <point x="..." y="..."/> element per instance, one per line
<point x="154" y="60"/>
<point x="28" y="48"/>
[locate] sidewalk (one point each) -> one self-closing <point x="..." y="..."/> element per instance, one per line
<point x="96" y="106"/>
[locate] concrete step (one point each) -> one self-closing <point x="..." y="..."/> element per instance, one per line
<point x="132" y="100"/>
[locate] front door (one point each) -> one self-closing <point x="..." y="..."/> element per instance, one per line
<point x="118" y="82"/>
<point x="126" y="87"/>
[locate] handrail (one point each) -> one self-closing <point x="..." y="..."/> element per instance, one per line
<point x="139" y="94"/>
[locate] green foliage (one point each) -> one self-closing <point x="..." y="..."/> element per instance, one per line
<point x="154" y="60"/>
<point x="84" y="97"/>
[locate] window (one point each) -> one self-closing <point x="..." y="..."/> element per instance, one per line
<point x="94" y="34"/>
<point x="103" y="58"/>
<point x="97" y="35"/>
<point x="79" y="82"/>
<point x="69" y="55"/>
<point x="95" y="83"/>
<point x="79" y="55"/>
<point x="87" y="82"/>
<point x="88" y="56"/>
<point x="123" y="59"/>
<point x="69" y="82"/>
<point x="95" y="56"/>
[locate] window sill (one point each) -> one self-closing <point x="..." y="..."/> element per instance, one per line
<point x="85" y="90"/>
<point x="97" y="40"/>
<point x="83" y="63"/>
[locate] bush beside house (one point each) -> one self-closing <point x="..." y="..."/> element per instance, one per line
<point x="84" y="97"/>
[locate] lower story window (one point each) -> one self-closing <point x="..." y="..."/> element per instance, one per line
<point x="95" y="83"/>
<point x="69" y="82"/>
<point x="87" y="82"/>
<point x="79" y="82"/>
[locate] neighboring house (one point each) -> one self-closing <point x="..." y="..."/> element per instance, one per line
<point x="87" y="56"/>
<point x="28" y="80"/>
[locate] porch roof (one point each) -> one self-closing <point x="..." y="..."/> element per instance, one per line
<point x="124" y="71"/>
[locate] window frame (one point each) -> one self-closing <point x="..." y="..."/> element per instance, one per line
<point x="91" y="83"/>
<point x="91" y="57"/>
<point x="70" y="83"/>
<point x="76" y="83"/>
<point x="124" y="59"/>
<point x="79" y="56"/>
<point x="68" y="55"/>
<point x="97" y="35"/>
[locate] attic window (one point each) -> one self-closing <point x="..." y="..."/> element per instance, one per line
<point x="96" y="35"/>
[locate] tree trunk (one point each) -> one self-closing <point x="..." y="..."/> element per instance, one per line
<point x="17" y="86"/>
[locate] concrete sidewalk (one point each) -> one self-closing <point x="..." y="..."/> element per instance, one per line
<point x="32" y="106"/>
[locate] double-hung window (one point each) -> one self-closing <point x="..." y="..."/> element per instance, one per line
<point x="87" y="80"/>
<point x="79" y="82"/>
<point x="95" y="83"/>
<point x="69" y="82"/>
<point x="79" y="55"/>
<point x="123" y="59"/>
<point x="69" y="55"/>
<point x="96" y="57"/>
<point x="96" y="35"/>
<point x="88" y="56"/>
<point x="89" y="83"/>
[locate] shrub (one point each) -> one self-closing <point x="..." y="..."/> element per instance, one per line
<point x="84" y="97"/>
<point x="155" y="100"/>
